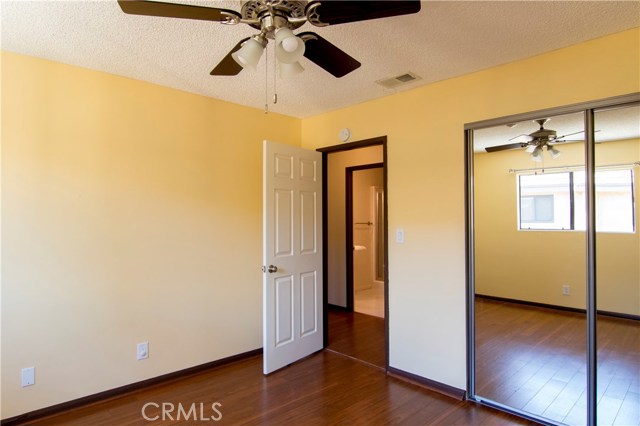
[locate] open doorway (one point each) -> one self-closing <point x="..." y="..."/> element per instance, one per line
<point x="358" y="335"/>
<point x="365" y="213"/>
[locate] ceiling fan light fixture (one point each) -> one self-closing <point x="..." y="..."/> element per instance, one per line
<point x="249" y="54"/>
<point x="290" y="44"/>
<point x="553" y="152"/>
<point x="536" y="155"/>
<point x="290" y="70"/>
<point x="289" y="47"/>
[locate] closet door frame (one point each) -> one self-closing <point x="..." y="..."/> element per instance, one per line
<point x="588" y="109"/>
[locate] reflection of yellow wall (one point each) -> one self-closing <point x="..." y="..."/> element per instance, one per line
<point x="534" y="265"/>
<point x="426" y="180"/>
<point x="130" y="212"/>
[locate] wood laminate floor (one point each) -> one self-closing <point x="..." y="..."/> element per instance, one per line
<point x="534" y="359"/>
<point x="358" y="335"/>
<point x="324" y="389"/>
<point x="526" y="357"/>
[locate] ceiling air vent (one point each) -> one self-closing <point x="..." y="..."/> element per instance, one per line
<point x="399" y="80"/>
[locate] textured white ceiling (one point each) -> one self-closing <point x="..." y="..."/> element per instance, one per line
<point x="445" y="39"/>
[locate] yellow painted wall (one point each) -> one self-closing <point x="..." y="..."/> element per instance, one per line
<point x="534" y="265"/>
<point x="130" y="212"/>
<point x="426" y="180"/>
<point x="618" y="255"/>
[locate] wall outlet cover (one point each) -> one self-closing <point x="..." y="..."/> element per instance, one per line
<point x="142" y="351"/>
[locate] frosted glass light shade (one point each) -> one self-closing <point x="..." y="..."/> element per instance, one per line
<point x="289" y="48"/>
<point x="249" y="54"/>
<point x="553" y="152"/>
<point x="289" y="70"/>
<point x="290" y="44"/>
<point x="536" y="155"/>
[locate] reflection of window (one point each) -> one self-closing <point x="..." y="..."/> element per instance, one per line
<point x="545" y="201"/>
<point x="557" y="201"/>
<point x="536" y="208"/>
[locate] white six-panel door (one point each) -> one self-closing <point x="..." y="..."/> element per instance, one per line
<point x="292" y="254"/>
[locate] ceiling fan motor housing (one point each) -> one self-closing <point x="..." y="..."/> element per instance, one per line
<point x="274" y="14"/>
<point x="542" y="136"/>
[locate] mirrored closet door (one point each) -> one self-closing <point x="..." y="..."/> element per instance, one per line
<point x="617" y="264"/>
<point x="552" y="222"/>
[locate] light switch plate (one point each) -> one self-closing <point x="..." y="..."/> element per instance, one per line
<point x="28" y="376"/>
<point x="399" y="235"/>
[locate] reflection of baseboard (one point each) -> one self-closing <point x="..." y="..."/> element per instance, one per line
<point x="364" y="288"/>
<point x="338" y="307"/>
<point x="557" y="307"/>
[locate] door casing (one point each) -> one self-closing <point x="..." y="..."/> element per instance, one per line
<point x="381" y="140"/>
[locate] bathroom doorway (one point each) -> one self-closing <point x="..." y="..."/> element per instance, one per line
<point x="365" y="220"/>
<point x="347" y="332"/>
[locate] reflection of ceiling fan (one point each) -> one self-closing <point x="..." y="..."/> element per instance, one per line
<point x="534" y="142"/>
<point x="276" y="19"/>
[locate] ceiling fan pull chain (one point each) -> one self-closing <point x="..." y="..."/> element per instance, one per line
<point x="275" y="90"/>
<point x="266" y="83"/>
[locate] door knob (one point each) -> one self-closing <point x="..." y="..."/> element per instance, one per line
<point x="271" y="269"/>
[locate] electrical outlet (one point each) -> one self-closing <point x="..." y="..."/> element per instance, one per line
<point x="566" y="290"/>
<point x="28" y="376"/>
<point x="142" y="351"/>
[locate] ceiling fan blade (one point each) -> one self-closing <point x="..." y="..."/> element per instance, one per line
<point x="560" y="139"/>
<point x="327" y="56"/>
<point x="173" y="10"/>
<point x="333" y="12"/>
<point x="228" y="65"/>
<point x="503" y="147"/>
<point x="569" y="134"/>
<point x="522" y="138"/>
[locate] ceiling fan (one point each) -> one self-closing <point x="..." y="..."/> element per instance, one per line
<point x="276" y="20"/>
<point x="536" y="141"/>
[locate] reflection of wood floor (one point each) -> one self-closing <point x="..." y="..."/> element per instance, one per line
<point x="533" y="359"/>
<point x="357" y="335"/>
